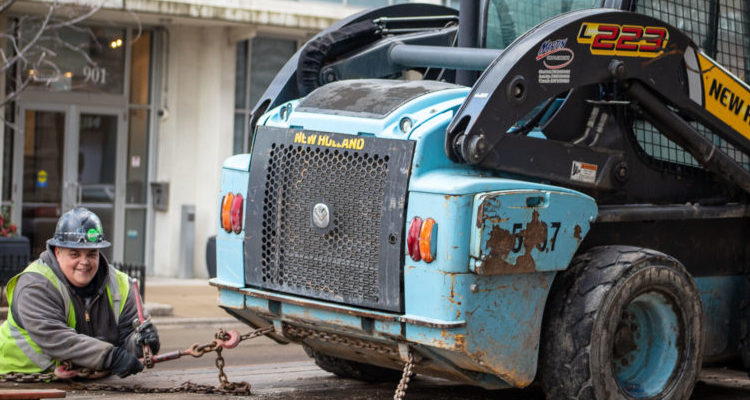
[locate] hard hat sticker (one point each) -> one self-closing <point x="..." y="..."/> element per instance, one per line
<point x="92" y="235"/>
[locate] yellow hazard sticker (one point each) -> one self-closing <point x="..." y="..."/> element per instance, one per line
<point x="317" y="139"/>
<point x="727" y="98"/>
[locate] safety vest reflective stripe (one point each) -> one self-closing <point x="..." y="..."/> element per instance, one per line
<point x="118" y="289"/>
<point x="23" y="341"/>
<point x="46" y="271"/>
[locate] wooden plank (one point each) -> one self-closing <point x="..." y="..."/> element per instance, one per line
<point x="27" y="394"/>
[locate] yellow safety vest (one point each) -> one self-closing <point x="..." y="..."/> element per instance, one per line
<point x="18" y="351"/>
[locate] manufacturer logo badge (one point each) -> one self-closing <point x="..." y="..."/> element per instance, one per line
<point x="321" y="216"/>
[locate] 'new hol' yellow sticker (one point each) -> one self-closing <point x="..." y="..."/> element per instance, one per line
<point x="725" y="97"/>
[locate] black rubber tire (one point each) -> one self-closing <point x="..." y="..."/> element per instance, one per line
<point x="584" y="312"/>
<point x="354" y="370"/>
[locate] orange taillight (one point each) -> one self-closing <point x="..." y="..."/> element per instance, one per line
<point x="428" y="240"/>
<point x="226" y="212"/>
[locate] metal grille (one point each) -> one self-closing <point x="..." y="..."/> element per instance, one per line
<point x="719" y="29"/>
<point x="657" y="146"/>
<point x="355" y="259"/>
<point x="344" y="261"/>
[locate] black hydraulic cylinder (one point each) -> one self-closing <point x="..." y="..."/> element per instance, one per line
<point x="685" y="135"/>
<point x="460" y="58"/>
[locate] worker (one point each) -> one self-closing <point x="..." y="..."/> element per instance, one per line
<point x="71" y="305"/>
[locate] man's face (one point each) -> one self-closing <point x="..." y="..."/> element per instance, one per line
<point x="78" y="265"/>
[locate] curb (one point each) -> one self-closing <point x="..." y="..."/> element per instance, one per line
<point x="170" y="321"/>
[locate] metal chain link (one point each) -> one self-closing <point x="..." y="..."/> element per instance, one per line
<point x="196" y="350"/>
<point x="403" y="384"/>
<point x="303" y="333"/>
<point x="28" y="378"/>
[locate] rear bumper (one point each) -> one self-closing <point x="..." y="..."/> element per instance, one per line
<point x="444" y="348"/>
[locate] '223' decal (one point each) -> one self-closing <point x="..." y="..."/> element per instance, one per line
<point x="624" y="40"/>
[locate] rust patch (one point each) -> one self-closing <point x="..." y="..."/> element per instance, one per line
<point x="480" y="214"/>
<point x="502" y="241"/>
<point x="577" y="232"/>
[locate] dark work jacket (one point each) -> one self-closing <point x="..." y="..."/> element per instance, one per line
<point x="35" y="308"/>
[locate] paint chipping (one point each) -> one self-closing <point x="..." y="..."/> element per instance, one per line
<point x="480" y="214"/>
<point x="502" y="242"/>
<point x="577" y="233"/>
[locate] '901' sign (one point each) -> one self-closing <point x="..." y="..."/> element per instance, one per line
<point x="623" y="40"/>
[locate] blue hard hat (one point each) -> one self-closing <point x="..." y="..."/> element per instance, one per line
<point x="79" y="228"/>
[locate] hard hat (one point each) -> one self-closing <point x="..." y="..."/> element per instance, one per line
<point x="79" y="228"/>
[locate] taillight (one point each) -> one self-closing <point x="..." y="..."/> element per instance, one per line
<point x="412" y="238"/>
<point x="428" y="240"/>
<point x="226" y="212"/>
<point x="236" y="212"/>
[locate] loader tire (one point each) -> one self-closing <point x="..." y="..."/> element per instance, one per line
<point x="622" y="323"/>
<point x="355" y="370"/>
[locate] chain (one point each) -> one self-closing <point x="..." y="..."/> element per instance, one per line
<point x="196" y="350"/>
<point x="403" y="384"/>
<point x="28" y="378"/>
<point x="186" y="387"/>
<point x="303" y="333"/>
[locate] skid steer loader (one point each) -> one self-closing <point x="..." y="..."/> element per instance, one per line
<point x="549" y="190"/>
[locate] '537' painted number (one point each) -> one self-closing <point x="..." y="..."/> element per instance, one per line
<point x="623" y="40"/>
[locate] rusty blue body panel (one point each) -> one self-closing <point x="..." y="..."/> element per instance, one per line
<point x="519" y="231"/>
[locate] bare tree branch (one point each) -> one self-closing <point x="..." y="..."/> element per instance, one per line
<point x="77" y="19"/>
<point x="6" y="5"/>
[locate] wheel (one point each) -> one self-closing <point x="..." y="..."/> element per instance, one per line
<point x="622" y="323"/>
<point x="352" y="369"/>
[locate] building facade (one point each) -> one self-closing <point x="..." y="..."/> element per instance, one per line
<point x="155" y="96"/>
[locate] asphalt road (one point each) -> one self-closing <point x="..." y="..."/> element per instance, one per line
<point x="285" y="372"/>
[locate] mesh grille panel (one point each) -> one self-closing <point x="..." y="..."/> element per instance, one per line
<point x="656" y="145"/>
<point x="723" y="39"/>
<point x="326" y="216"/>
<point x="720" y="32"/>
<point x="343" y="261"/>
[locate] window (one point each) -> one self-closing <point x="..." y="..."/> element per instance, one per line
<point x="86" y="59"/>
<point x="140" y="110"/>
<point x="508" y="19"/>
<point x="258" y="62"/>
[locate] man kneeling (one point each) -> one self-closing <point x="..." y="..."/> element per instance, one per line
<point x="71" y="305"/>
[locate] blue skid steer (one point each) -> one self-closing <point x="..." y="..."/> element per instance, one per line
<point x="516" y="191"/>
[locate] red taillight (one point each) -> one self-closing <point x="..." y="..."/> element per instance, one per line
<point x="226" y="212"/>
<point x="428" y="240"/>
<point x="412" y="238"/>
<point x="236" y="212"/>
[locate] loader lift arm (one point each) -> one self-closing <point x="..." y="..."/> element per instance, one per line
<point x="654" y="63"/>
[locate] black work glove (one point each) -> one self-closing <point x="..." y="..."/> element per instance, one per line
<point x="146" y="334"/>
<point x="124" y="363"/>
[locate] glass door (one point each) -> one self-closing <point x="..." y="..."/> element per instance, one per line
<point x="96" y="169"/>
<point x="43" y="181"/>
<point x="71" y="159"/>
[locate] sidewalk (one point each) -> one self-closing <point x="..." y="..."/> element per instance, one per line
<point x="189" y="300"/>
<point x="179" y="301"/>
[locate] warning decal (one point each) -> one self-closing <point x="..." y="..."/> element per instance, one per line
<point x="583" y="172"/>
